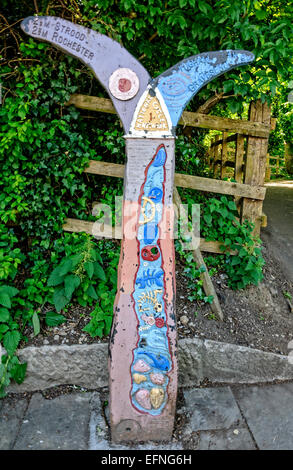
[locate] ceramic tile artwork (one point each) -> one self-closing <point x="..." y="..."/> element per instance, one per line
<point x="151" y="116"/>
<point x="152" y="355"/>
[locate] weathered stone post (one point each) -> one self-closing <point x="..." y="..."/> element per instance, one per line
<point x="142" y="352"/>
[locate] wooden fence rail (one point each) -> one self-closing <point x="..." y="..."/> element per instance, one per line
<point x="186" y="181"/>
<point x="257" y="129"/>
<point x="250" y="137"/>
<point x="77" y="225"/>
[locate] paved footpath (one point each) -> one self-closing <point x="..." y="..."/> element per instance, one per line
<point x="278" y="206"/>
<point x="222" y="418"/>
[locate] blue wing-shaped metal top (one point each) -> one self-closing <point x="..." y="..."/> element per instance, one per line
<point x="181" y="82"/>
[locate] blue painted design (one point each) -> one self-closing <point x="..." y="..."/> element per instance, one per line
<point x="180" y="83"/>
<point x="158" y="361"/>
<point x="155" y="194"/>
<point x="160" y="158"/>
<point x="149" y="289"/>
<point x="149" y="279"/>
<point x="150" y="233"/>
<point x="157" y="338"/>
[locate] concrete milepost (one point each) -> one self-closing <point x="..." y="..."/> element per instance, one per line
<point x="142" y="351"/>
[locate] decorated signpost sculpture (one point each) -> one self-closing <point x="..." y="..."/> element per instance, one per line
<point x="142" y="351"/>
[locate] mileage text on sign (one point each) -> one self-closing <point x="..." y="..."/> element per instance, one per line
<point x="61" y="34"/>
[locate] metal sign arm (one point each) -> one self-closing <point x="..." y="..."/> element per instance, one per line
<point x="101" y="54"/>
<point x="179" y="84"/>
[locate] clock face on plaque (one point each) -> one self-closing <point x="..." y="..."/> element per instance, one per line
<point x="123" y="84"/>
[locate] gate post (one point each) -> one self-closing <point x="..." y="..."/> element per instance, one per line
<point x="255" y="167"/>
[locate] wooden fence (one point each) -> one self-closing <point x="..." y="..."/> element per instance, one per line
<point x="245" y="162"/>
<point x="275" y="163"/>
<point x="249" y="162"/>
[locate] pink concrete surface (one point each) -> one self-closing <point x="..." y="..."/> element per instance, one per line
<point x="128" y="423"/>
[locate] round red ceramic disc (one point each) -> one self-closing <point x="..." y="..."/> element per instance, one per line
<point x="123" y="84"/>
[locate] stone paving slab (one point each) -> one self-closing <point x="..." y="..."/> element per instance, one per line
<point x="61" y="423"/>
<point x="220" y="418"/>
<point x="268" y="411"/>
<point x="11" y="415"/>
<point x="212" y="408"/>
<point x="226" y="439"/>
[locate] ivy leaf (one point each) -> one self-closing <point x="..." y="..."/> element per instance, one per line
<point x="9" y="290"/>
<point x="4" y="314"/>
<point x="18" y="372"/>
<point x="60" y="299"/>
<point x="99" y="272"/>
<point x="71" y="282"/>
<point x="232" y="205"/>
<point x="260" y="14"/>
<point x="36" y="323"/>
<point x="3" y="329"/>
<point x="208" y="219"/>
<point x="55" y="278"/>
<point x="10" y="341"/>
<point x="5" y="300"/>
<point x="92" y="293"/>
<point x="65" y="267"/>
<point x="54" y="319"/>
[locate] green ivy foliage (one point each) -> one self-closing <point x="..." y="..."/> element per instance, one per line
<point x="219" y="221"/>
<point x="43" y="151"/>
<point x="286" y="122"/>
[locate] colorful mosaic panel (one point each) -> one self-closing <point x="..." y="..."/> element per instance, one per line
<point x="151" y="358"/>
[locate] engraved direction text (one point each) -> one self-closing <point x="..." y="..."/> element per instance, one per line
<point x="64" y="36"/>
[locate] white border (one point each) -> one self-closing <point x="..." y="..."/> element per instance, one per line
<point x="129" y="75"/>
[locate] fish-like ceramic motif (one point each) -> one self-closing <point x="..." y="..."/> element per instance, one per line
<point x="157" y="397"/>
<point x="159" y="361"/>
<point x="158" y="379"/>
<point x="142" y="397"/>
<point x="138" y="378"/>
<point x="141" y="366"/>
